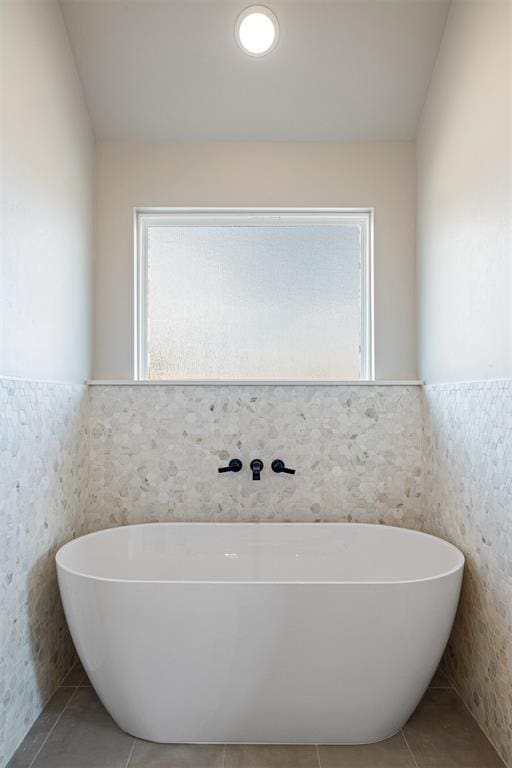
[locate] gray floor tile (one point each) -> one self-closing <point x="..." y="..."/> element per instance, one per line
<point x="149" y="755"/>
<point x="391" y="753"/>
<point x="75" y="677"/>
<point x="85" y="737"/>
<point x="85" y="682"/>
<point x="442" y="734"/>
<point x="440" y="680"/>
<point x="41" y="728"/>
<point x="270" y="756"/>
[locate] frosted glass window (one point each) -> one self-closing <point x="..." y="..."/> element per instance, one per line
<point x="254" y="297"/>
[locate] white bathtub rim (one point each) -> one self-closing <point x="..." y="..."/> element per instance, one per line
<point x="281" y="582"/>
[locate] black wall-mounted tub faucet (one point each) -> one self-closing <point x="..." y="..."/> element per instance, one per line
<point x="256" y="466"/>
<point x="235" y="465"/>
<point x="278" y="466"/>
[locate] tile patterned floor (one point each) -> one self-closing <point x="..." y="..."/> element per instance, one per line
<point x="75" y="731"/>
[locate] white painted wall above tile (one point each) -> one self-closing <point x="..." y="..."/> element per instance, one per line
<point x="379" y="176"/>
<point x="464" y="237"/>
<point x="46" y="158"/>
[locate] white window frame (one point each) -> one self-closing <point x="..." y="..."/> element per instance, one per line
<point x="195" y="217"/>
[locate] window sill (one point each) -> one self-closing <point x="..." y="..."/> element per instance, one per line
<point x="256" y="382"/>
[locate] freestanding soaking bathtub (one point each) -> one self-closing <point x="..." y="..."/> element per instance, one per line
<point x="306" y="633"/>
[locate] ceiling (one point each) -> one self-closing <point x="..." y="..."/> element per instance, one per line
<point x="344" y="70"/>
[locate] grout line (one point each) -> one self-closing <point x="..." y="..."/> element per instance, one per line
<point x="52" y="728"/>
<point x="131" y="753"/>
<point x="318" y="756"/>
<point x="409" y="748"/>
<point x="224" y="755"/>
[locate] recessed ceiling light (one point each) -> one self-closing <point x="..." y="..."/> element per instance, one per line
<point x="257" y="30"/>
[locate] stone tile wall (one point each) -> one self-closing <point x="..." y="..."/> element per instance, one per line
<point x="467" y="466"/>
<point x="43" y="481"/>
<point x="154" y="453"/>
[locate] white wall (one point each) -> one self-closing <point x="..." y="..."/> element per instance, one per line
<point x="464" y="249"/>
<point x="464" y="255"/>
<point x="287" y="174"/>
<point x="46" y="153"/>
<point x="46" y="171"/>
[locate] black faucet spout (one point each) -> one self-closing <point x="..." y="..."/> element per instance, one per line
<point x="256" y="466"/>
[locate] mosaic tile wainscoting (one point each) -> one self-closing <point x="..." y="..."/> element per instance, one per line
<point x="155" y="450"/>
<point x="43" y="480"/>
<point x="468" y="500"/>
<point x="72" y="462"/>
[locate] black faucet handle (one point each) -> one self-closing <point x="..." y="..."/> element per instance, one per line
<point x="278" y="466"/>
<point x="235" y="465"/>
